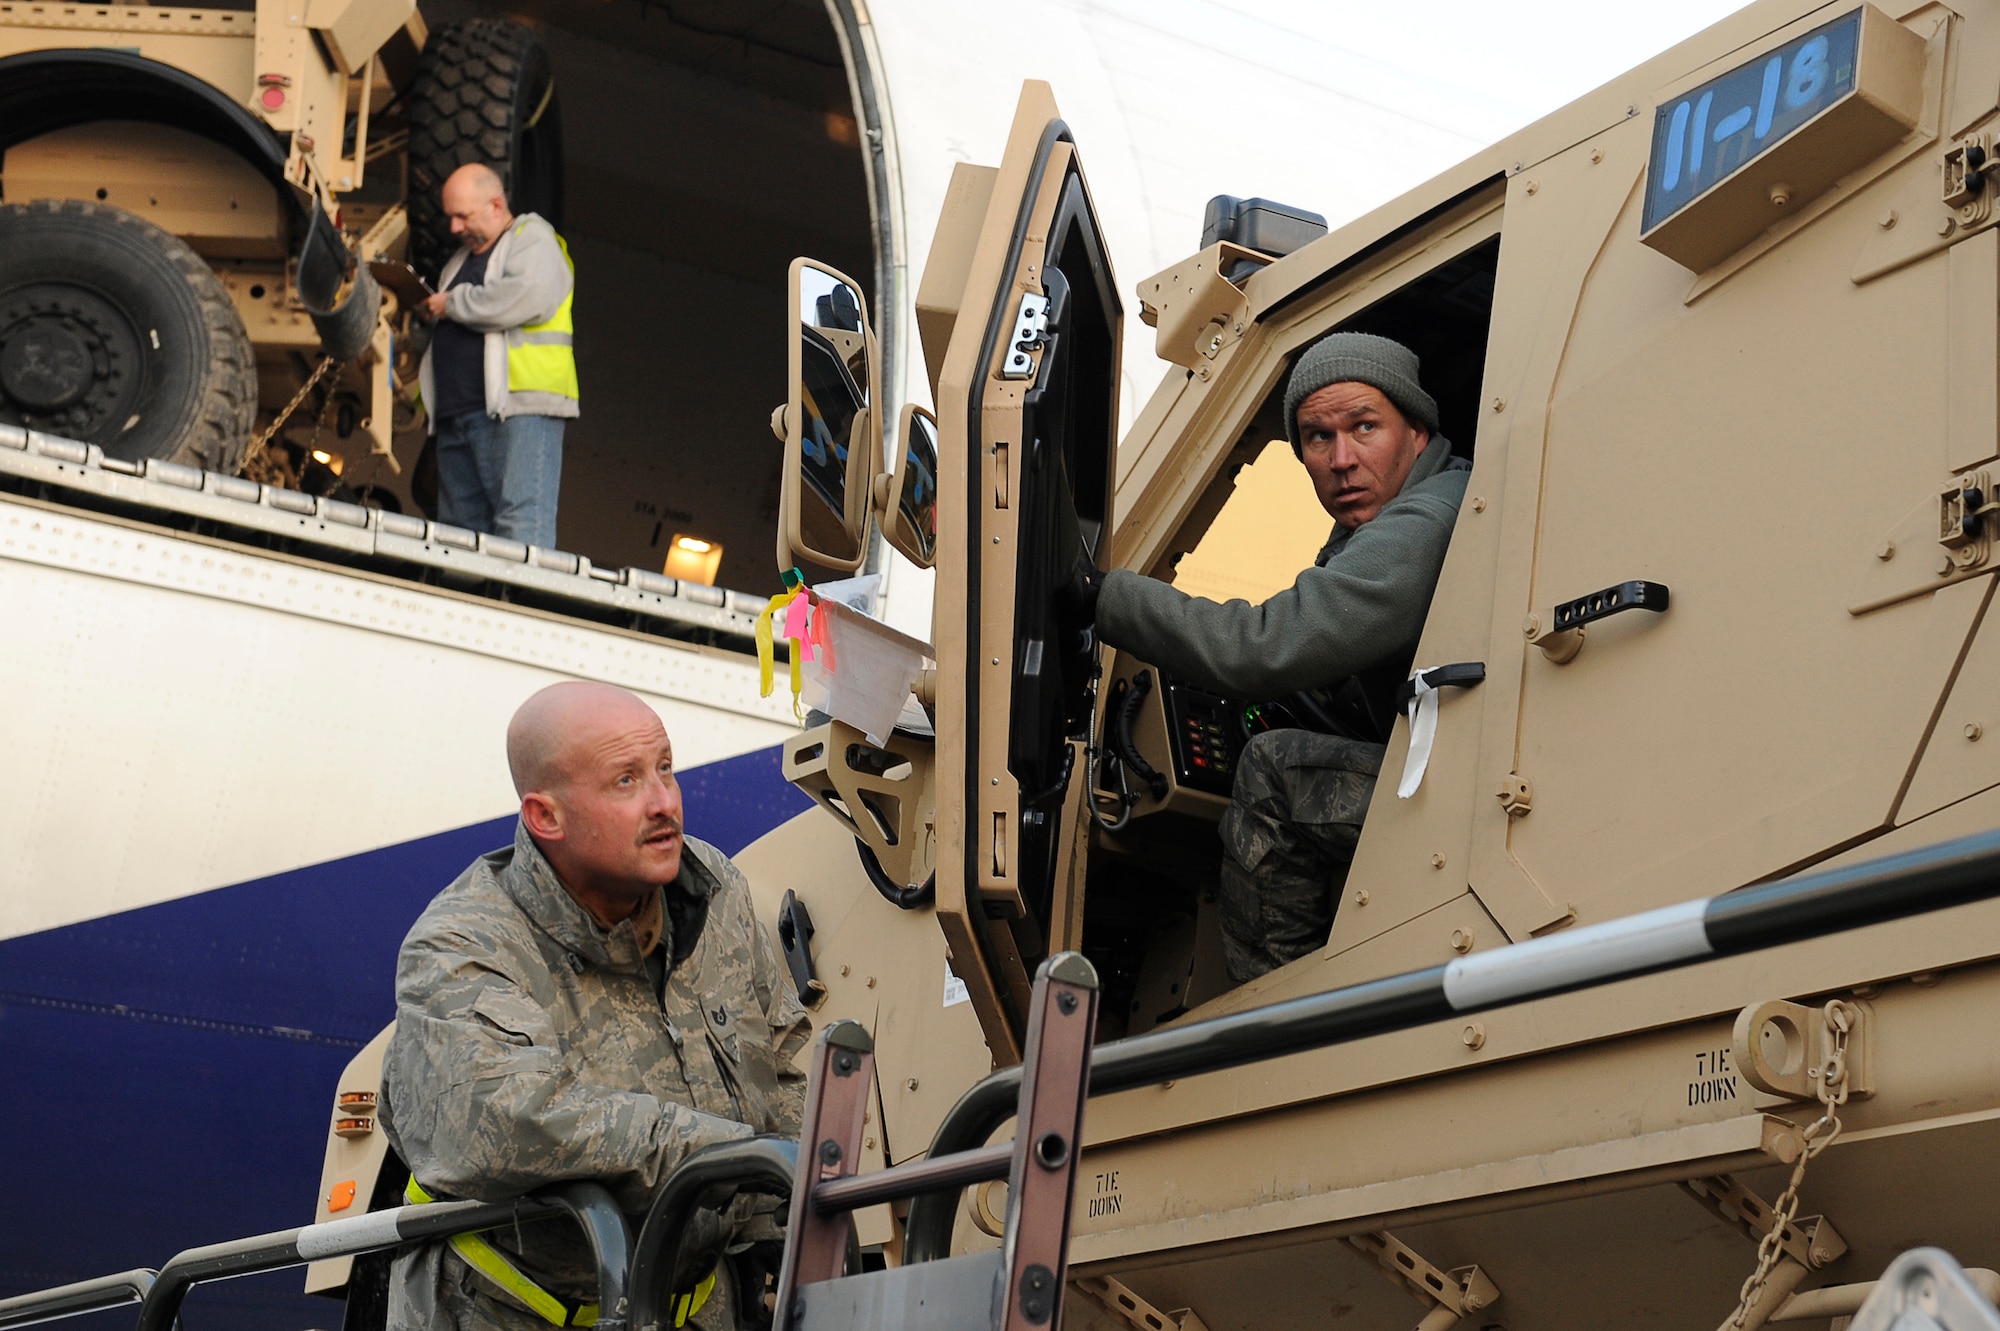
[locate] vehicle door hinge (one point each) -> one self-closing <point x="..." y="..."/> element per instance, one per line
<point x="1965" y="189"/>
<point x="1517" y="795"/>
<point x="1963" y="507"/>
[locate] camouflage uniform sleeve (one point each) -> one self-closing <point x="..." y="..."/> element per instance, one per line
<point x="483" y="1102"/>
<point x="1362" y="607"/>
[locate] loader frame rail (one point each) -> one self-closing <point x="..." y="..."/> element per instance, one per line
<point x="85" y="1296"/>
<point x="1791" y="910"/>
<point x="588" y="1203"/>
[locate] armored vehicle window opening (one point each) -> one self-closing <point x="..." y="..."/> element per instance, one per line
<point x="1482" y="197"/>
<point x="1443" y="316"/>
<point x="1293" y="321"/>
<point x="1149" y="915"/>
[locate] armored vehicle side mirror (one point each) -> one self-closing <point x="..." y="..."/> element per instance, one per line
<point x="832" y="432"/>
<point x="906" y="509"/>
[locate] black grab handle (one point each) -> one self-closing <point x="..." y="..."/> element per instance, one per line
<point x="1625" y="596"/>
<point x="1458" y="675"/>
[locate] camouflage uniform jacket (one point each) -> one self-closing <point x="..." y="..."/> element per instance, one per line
<point x="532" y="1046"/>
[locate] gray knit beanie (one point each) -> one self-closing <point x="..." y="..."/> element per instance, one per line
<point x="1359" y="358"/>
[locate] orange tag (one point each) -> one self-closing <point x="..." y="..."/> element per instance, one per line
<point x="341" y="1197"/>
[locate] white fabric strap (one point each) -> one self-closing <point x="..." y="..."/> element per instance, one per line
<point x="1423" y="733"/>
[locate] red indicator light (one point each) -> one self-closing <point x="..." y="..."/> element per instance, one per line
<point x="272" y="98"/>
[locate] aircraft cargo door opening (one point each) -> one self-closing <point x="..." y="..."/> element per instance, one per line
<point x="704" y="145"/>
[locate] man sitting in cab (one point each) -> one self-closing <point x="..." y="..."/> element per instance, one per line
<point x="1345" y="634"/>
<point x="593" y="1002"/>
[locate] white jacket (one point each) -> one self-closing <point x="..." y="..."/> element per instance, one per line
<point x="527" y="279"/>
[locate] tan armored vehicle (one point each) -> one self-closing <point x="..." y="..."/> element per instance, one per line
<point x="1722" y="343"/>
<point x="215" y="214"/>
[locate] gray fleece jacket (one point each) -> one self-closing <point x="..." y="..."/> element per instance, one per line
<point x="1357" y="613"/>
<point x="527" y="279"/>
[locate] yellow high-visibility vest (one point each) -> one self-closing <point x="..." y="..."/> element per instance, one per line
<point x="541" y="358"/>
<point x="484" y="1258"/>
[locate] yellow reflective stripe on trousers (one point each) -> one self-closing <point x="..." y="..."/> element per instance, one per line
<point x="687" y="1305"/>
<point x="484" y="1258"/>
<point x="541" y="358"/>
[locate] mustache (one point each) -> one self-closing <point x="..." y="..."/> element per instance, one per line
<point x="653" y="829"/>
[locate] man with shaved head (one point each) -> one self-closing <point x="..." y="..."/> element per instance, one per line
<point x="499" y="378"/>
<point x="593" y="1002"/>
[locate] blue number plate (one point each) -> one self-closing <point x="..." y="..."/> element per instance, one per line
<point x="1704" y="136"/>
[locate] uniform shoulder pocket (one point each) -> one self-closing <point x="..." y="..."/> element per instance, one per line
<point x="512" y="1016"/>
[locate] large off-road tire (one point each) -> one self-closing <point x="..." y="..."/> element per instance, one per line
<point x="116" y="333"/>
<point x="484" y="92"/>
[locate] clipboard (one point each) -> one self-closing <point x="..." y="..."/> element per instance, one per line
<point x="399" y="277"/>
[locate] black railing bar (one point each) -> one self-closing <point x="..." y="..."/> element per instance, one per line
<point x="85" y="1296"/>
<point x="1791" y="910"/>
<point x="930" y="1174"/>
<point x="710" y="1175"/>
<point x="609" y="1234"/>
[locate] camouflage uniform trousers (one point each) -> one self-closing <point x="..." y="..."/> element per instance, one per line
<point x="1287" y="839"/>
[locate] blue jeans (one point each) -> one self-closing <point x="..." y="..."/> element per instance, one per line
<point x="501" y="476"/>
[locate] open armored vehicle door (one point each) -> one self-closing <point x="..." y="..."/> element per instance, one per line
<point x="1019" y="294"/>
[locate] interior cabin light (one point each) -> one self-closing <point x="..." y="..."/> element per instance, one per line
<point x="693" y="559"/>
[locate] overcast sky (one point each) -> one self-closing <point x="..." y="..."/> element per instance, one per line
<point x="1331" y="105"/>
<point x="1487" y="67"/>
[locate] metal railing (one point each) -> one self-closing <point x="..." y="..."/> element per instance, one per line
<point x="708" y="1178"/>
<point x="636" y="1279"/>
<point x="85" y="1296"/>
<point x="161" y="1293"/>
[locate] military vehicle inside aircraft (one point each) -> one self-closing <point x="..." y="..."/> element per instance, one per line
<point x="703" y="146"/>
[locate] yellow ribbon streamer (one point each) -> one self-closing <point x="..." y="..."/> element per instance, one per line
<point x="767" y="651"/>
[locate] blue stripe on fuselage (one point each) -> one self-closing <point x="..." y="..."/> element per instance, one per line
<point x="170" y="1069"/>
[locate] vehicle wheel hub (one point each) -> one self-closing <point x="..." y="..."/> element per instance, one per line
<point x="68" y="358"/>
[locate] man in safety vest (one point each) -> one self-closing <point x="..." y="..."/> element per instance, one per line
<point x="499" y="378"/>
<point x="595" y="1001"/>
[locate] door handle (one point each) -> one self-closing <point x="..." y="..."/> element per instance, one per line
<point x="1559" y="632"/>
<point x="1459" y="675"/>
